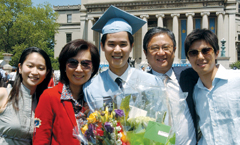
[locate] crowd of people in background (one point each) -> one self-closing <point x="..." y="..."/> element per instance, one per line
<point x="7" y="79"/>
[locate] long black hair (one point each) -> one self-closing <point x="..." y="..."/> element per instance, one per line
<point x="14" y="94"/>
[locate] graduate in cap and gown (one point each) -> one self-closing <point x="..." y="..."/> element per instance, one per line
<point x="117" y="28"/>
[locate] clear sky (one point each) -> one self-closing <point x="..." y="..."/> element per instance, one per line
<point x="57" y="2"/>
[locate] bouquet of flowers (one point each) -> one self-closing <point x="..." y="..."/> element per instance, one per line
<point x="103" y="128"/>
<point x="140" y="114"/>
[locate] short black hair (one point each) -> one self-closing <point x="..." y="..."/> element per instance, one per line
<point x="130" y="38"/>
<point x="201" y="34"/>
<point x="157" y="30"/>
<point x="71" y="49"/>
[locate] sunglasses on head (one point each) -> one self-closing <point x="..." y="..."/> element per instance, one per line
<point x="85" y="64"/>
<point x="204" y="51"/>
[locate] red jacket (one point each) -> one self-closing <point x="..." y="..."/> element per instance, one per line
<point x="57" y="119"/>
<point x="51" y="83"/>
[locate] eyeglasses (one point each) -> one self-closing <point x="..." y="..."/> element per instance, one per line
<point x="165" y="48"/>
<point x="85" y="64"/>
<point x="204" y="51"/>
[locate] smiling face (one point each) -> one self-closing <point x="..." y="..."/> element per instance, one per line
<point x="80" y="74"/>
<point x="117" y="49"/>
<point x="33" y="70"/>
<point x="203" y="64"/>
<point x="160" y="61"/>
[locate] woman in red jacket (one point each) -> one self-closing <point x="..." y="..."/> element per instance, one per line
<point x="55" y="114"/>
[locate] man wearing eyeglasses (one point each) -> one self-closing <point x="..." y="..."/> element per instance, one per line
<point x="216" y="94"/>
<point x="159" y="47"/>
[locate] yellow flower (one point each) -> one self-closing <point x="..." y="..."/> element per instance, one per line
<point x="84" y="128"/>
<point x="106" y="113"/>
<point x="92" y="117"/>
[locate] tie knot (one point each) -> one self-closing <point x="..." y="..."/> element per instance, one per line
<point x="164" y="78"/>
<point x="119" y="82"/>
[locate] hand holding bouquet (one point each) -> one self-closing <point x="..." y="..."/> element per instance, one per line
<point x="138" y="115"/>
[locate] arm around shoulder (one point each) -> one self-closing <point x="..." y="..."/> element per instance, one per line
<point x="3" y="98"/>
<point x="188" y="79"/>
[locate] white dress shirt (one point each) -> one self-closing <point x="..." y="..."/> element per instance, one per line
<point x="183" y="124"/>
<point x="125" y="76"/>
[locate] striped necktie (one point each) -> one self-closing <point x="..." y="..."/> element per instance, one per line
<point x="119" y="82"/>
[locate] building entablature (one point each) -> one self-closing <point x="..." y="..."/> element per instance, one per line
<point x="67" y="8"/>
<point x="154" y="5"/>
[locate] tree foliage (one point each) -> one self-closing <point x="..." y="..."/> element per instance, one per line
<point x="235" y="65"/>
<point x="23" y="25"/>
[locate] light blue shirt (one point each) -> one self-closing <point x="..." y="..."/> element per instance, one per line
<point x="2" y="73"/>
<point x="219" y="108"/>
<point x="185" y="132"/>
<point x="125" y="76"/>
<point x="102" y="87"/>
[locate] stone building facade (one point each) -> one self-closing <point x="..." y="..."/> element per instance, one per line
<point x="180" y="16"/>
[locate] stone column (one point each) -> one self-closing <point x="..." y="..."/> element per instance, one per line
<point x="189" y="22"/>
<point x="231" y="38"/>
<point x="175" y="29"/>
<point x="7" y="58"/>
<point x="220" y="26"/>
<point x="144" y="31"/>
<point x="226" y="23"/>
<point x="83" y="29"/>
<point x="205" y="19"/>
<point x="89" y="30"/>
<point x="160" y="19"/>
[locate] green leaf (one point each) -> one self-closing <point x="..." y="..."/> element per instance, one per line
<point x="125" y="106"/>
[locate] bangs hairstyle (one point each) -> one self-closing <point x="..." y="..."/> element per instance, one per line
<point x="70" y="50"/>
<point x="14" y="94"/>
<point x="130" y="38"/>
<point x="201" y="34"/>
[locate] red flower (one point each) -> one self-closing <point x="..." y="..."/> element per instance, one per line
<point x="119" y="124"/>
<point x="99" y="131"/>
<point x="125" y="143"/>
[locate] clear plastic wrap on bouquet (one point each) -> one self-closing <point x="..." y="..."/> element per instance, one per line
<point x="148" y="110"/>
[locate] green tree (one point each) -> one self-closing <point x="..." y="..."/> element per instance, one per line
<point x="23" y="25"/>
<point x="235" y="65"/>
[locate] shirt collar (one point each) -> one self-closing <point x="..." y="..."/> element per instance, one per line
<point x="169" y="73"/>
<point x="123" y="76"/>
<point x="221" y="74"/>
<point x="67" y="95"/>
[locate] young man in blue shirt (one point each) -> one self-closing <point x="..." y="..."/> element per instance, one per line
<point x="117" y="27"/>
<point x="216" y="94"/>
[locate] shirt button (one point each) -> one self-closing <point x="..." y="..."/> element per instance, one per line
<point x="211" y="109"/>
<point x="214" y="124"/>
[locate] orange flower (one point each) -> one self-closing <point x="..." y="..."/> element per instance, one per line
<point x="124" y="137"/>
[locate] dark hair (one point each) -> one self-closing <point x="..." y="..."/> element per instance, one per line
<point x="157" y="30"/>
<point x="2" y="83"/>
<point x="201" y="34"/>
<point x="71" y="49"/>
<point x="130" y="38"/>
<point x="14" y="94"/>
